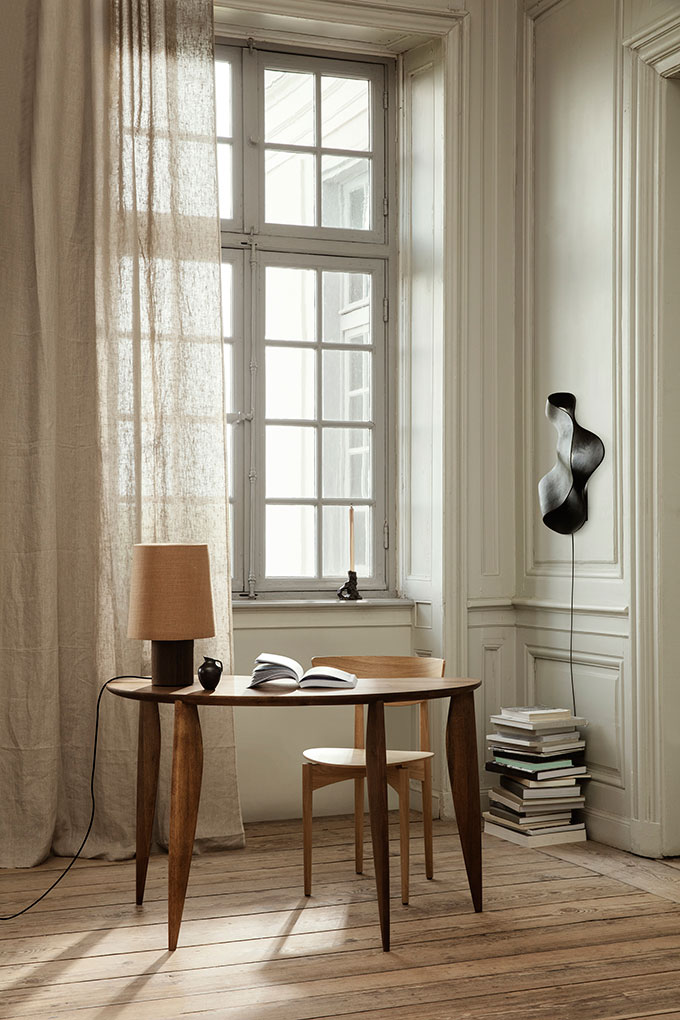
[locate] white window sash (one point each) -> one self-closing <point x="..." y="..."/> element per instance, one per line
<point x="251" y="245"/>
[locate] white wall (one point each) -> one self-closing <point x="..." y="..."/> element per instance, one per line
<point x="669" y="414"/>
<point x="571" y="339"/>
<point x="558" y="141"/>
<point x="641" y="16"/>
<point x="421" y="359"/>
<point x="270" y="741"/>
<point x="486" y="478"/>
<point x="599" y="138"/>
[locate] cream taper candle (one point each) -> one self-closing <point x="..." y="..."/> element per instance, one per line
<point x="351" y="538"/>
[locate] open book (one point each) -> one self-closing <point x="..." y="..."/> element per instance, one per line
<point x="280" y="667"/>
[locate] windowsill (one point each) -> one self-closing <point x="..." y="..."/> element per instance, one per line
<point x="249" y="605"/>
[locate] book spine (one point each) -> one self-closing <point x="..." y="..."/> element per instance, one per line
<point x="514" y="806"/>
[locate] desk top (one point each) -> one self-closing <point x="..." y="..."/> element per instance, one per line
<point x="234" y="690"/>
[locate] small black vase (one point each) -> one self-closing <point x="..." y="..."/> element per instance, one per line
<point x="209" y="673"/>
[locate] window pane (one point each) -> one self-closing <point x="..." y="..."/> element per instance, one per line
<point x="346" y="308"/>
<point x="291" y="541"/>
<point x="336" y="540"/>
<point x="289" y="107"/>
<point x="347" y="385"/>
<point x="291" y="462"/>
<point x="347" y="463"/>
<point x="291" y="383"/>
<point x="225" y="181"/>
<point x="345" y="109"/>
<point x="346" y="192"/>
<point x="223" y="93"/>
<point x="290" y="303"/>
<point x="227" y="280"/>
<point x="289" y="188"/>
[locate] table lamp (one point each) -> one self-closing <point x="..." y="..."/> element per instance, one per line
<point x="170" y="605"/>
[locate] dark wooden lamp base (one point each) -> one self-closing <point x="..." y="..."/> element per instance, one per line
<point x="172" y="663"/>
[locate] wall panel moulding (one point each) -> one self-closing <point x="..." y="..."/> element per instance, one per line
<point x="598" y="683"/>
<point x="659" y="46"/>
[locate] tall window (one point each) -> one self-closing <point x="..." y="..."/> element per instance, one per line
<point x="302" y="145"/>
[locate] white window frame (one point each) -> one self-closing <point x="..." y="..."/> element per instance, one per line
<point x="249" y="242"/>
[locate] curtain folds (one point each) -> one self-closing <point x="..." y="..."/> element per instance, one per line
<point x="112" y="425"/>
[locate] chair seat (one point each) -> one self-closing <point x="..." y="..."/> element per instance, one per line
<point x="355" y="757"/>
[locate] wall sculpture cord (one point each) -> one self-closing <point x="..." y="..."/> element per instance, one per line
<point x="562" y="493"/>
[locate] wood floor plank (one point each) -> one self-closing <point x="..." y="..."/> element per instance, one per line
<point x="305" y="954"/>
<point x="110" y="888"/>
<point x="235" y="861"/>
<point x="653" y="876"/>
<point x="670" y="1015"/>
<point x="450" y="871"/>
<point x="333" y="931"/>
<point x="553" y="985"/>
<point x="409" y="967"/>
<point x="568" y="933"/>
<point x="602" y="1001"/>
<point x="354" y="900"/>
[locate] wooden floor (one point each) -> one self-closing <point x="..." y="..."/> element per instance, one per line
<point x="577" y="932"/>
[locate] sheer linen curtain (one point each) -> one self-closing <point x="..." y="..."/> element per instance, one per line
<point x="112" y="424"/>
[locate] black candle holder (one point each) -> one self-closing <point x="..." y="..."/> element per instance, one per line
<point x="349" y="591"/>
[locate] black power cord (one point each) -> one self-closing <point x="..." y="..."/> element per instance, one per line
<point x="571" y="628"/>
<point x="10" y="917"/>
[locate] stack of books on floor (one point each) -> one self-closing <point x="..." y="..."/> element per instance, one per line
<point x="538" y="755"/>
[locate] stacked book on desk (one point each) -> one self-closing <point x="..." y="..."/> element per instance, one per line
<point x="538" y="756"/>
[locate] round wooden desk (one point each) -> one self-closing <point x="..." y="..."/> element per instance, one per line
<point x="187" y="766"/>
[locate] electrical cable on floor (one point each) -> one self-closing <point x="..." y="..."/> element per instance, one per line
<point x="10" y="917"/>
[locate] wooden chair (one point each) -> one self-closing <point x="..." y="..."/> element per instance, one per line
<point x="328" y="765"/>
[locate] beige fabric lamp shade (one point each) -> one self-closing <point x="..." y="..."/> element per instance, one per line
<point x="171" y="604"/>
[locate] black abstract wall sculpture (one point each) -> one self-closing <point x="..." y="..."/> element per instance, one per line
<point x="562" y="492"/>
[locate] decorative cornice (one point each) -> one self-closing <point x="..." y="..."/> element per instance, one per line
<point x="536" y="8"/>
<point x="366" y="13"/>
<point x="659" y="46"/>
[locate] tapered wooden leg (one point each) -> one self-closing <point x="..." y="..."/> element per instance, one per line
<point x="404" y="831"/>
<point x="427" y="817"/>
<point x="187" y="769"/>
<point x="376" y="777"/>
<point x="148" y="757"/>
<point x="461" y="752"/>
<point x="307" y="791"/>
<point x="359" y="825"/>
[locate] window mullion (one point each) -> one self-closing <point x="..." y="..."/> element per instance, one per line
<point x="317" y="141"/>
<point x="253" y="421"/>
<point x="319" y="430"/>
<point x="251" y="142"/>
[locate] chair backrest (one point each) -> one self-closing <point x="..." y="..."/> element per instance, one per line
<point x="388" y="666"/>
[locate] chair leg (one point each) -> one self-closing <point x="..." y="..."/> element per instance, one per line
<point x="404" y="831"/>
<point x="427" y="817"/>
<point x="359" y="825"/>
<point x="307" y="791"/>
